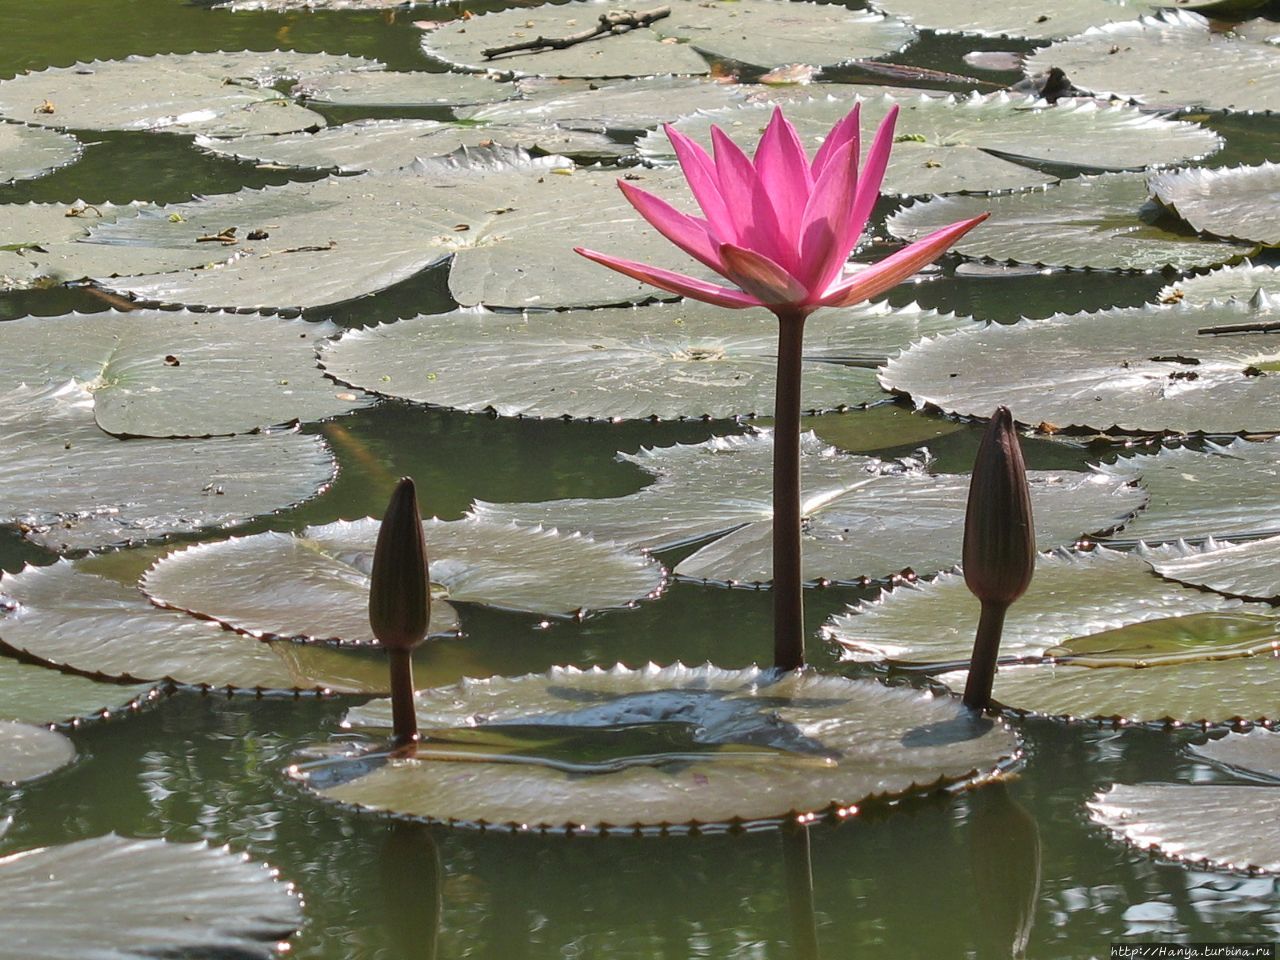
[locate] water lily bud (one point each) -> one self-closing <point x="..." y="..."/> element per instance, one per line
<point x="999" y="535"/>
<point x="399" y="589"/>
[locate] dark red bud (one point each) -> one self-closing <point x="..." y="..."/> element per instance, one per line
<point x="999" y="535"/>
<point x="399" y="588"/>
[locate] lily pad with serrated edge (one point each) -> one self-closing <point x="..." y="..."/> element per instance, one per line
<point x="1256" y="753"/>
<point x="315" y="585"/>
<point x="863" y="518"/>
<point x="1177" y="59"/>
<point x="765" y="33"/>
<point x="1242" y="203"/>
<point x="662" y="747"/>
<point x="1238" y="570"/>
<point x="950" y="144"/>
<point x="1099" y="222"/>
<point x="69" y="486"/>
<point x="1026" y="19"/>
<point x="27" y="152"/>
<point x="393" y="88"/>
<point x="668" y="361"/>
<point x="139" y="899"/>
<point x="1241" y="282"/>
<point x="28" y="752"/>
<point x="38" y="695"/>
<point x="384" y="145"/>
<point x="1151" y="369"/>
<point x="1072" y="596"/>
<point x="153" y="373"/>
<point x="308" y="6"/>
<point x="220" y="94"/>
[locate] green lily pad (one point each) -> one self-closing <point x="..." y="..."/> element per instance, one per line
<point x="307" y="6"/>
<point x="44" y="697"/>
<point x="1237" y="202"/>
<point x="1177" y="59"/>
<point x="1149" y="369"/>
<point x="1256" y="753"/>
<point x="218" y="94"/>
<point x="669" y="361"/>
<point x="1103" y="223"/>
<point x="384" y="145"/>
<point x="1238" y="570"/>
<point x="315" y="585"/>
<point x="27" y="152"/>
<point x="661" y="747"/>
<point x="765" y="33"/>
<point x="69" y="486"/>
<point x="949" y="144"/>
<point x="28" y="752"/>
<point x="155" y="373"/>
<point x="1027" y="19"/>
<point x="1224" y="827"/>
<point x="393" y="88"/>
<point x="1073" y="599"/>
<point x="1242" y="282"/>
<point x="863" y="518"/>
<point x="141" y="899"/>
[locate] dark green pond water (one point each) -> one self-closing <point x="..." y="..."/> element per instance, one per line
<point x="946" y="876"/>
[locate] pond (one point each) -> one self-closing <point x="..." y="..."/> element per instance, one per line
<point x="1012" y="868"/>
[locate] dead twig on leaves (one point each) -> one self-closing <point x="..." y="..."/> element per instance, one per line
<point x="611" y="24"/>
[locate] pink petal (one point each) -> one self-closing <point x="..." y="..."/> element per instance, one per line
<point x="892" y="270"/>
<point x="674" y="282"/>
<point x="783" y="170"/>
<point x="686" y="232"/>
<point x="749" y="206"/>
<point x="700" y="172"/>
<point x="844" y="131"/>
<point x="869" y="181"/>
<point x="760" y="276"/>
<point x="833" y="196"/>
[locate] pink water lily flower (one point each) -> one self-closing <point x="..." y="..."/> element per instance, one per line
<point x="780" y="226"/>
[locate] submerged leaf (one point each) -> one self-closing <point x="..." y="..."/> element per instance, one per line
<point x="597" y="749"/>
<point x="1237" y="202"/>
<point x="27" y="152"/>
<point x="28" y="752"/>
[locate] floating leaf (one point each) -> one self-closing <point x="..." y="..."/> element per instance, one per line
<point x="765" y="33"/>
<point x="308" y="6"/>
<point x="141" y="899"/>
<point x="72" y="487"/>
<point x="1224" y="827"/>
<point x="37" y="695"/>
<point x="27" y="152"/>
<point x="662" y="747"/>
<point x="864" y="518"/>
<point x="1072" y="597"/>
<point x="219" y="94"/>
<point x="1102" y="222"/>
<point x="153" y="373"/>
<point x="1256" y="753"/>
<point x="668" y="361"/>
<point x="391" y="88"/>
<point x="384" y="145"/>
<point x="1237" y="202"/>
<point x="1029" y="19"/>
<point x="315" y="585"/>
<point x="1241" y="282"/>
<point x="1149" y="369"/>
<point x="949" y="144"/>
<point x="28" y="752"/>
<point x="1177" y="59"/>
<point x="1238" y="570"/>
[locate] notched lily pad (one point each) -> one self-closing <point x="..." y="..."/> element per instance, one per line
<point x="28" y="752"/>
<point x="315" y="585"/>
<point x="27" y="152"/>
<point x="1103" y="223"/>
<point x="141" y="899"/>
<point x="950" y="144"/>
<point x="1177" y="59"/>
<point x="1242" y="203"/>
<point x="863" y="518"/>
<point x="661" y="747"/>
<point x="38" y="695"/>
<point x="668" y="361"/>
<point x="1028" y="19"/>
<point x="1151" y="369"/>
<point x="1239" y="570"/>
<point x="392" y="88"/>
<point x="219" y="94"/>
<point x="765" y="33"/>
<point x="1241" y="282"/>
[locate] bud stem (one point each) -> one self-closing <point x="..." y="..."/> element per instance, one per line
<point x="986" y="647"/>
<point x="788" y="588"/>
<point x="404" y="716"/>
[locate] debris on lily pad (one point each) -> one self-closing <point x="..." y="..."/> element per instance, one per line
<point x="665" y="748"/>
<point x="764" y="33"/>
<point x="1074" y="598"/>
<point x="1242" y="203"/>
<point x="976" y="143"/>
<point x="864" y="518"/>
<point x="69" y="486"/>
<point x="1207" y="369"/>
<point x="1103" y="222"/>
<point x="393" y="88"/>
<point x="223" y="94"/>
<point x="668" y="361"/>
<point x="1026" y="19"/>
<point x="164" y="373"/>
<point x="314" y="585"/>
<point x="27" y="152"/>
<point x="1246" y="570"/>
<point x="28" y="752"/>
<point x="1241" y="282"/>
<point x="127" y="899"/>
<point x="1178" y="59"/>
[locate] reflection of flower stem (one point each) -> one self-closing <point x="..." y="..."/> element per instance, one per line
<point x="798" y="865"/>
<point x="788" y="597"/>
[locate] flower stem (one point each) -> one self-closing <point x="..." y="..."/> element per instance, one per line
<point x="788" y="597"/>
<point x="404" y="717"/>
<point x="986" y="645"/>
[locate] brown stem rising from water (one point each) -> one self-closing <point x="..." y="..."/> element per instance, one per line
<point x="986" y="647"/>
<point x="788" y="595"/>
